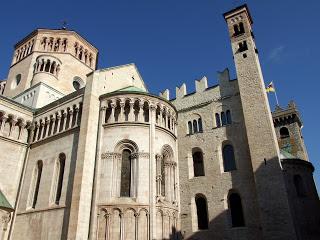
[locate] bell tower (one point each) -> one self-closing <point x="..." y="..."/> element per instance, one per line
<point x="288" y="125"/>
<point x="48" y="64"/>
<point x="275" y="218"/>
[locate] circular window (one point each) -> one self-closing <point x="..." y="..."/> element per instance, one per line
<point x="77" y="83"/>
<point x="16" y="82"/>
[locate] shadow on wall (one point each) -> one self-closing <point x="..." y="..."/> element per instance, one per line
<point x="221" y="226"/>
<point x="66" y="218"/>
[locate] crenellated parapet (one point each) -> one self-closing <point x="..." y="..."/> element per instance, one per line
<point x="226" y="87"/>
<point x="285" y="116"/>
<point x="137" y="108"/>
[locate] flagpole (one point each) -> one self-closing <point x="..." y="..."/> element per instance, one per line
<point x="275" y="93"/>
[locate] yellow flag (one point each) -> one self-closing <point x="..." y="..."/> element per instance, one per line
<point x="270" y="88"/>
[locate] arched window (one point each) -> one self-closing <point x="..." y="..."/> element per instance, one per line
<point x="236" y="211"/>
<point x="198" y="163"/>
<point x="298" y="183"/>
<point x="241" y="28"/>
<point x="195" y="126"/>
<point x="218" y="122"/>
<point x="236" y="29"/>
<point x="223" y="119"/>
<point x="202" y="213"/>
<point x="190" y="127"/>
<point x="47" y="67"/>
<point x="228" y="114"/>
<point x="200" y="125"/>
<point x="125" y="173"/>
<point x="60" y="170"/>
<point x="284" y="132"/>
<point x="229" y="162"/>
<point x="37" y="177"/>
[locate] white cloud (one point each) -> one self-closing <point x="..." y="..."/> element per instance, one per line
<point x="275" y="54"/>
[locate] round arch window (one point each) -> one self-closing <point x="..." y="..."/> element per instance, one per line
<point x="77" y="83"/>
<point x="16" y="82"/>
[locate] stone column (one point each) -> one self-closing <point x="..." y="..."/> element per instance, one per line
<point x="131" y="117"/>
<point x="166" y="119"/>
<point x="103" y="114"/>
<point x="71" y="112"/>
<point x="13" y="125"/>
<point x="174" y="183"/>
<point x="64" y="127"/>
<point x="121" y="117"/>
<point x="53" y="119"/>
<point x="141" y="118"/>
<point x="158" y="174"/>
<point x="152" y="174"/>
<point x="40" y="134"/>
<point x="166" y="176"/>
<point x="112" y="117"/>
<point x="21" y="132"/>
<point x="77" y="112"/>
<point x="4" y="119"/>
<point x="133" y="176"/>
<point x="47" y="123"/>
<point x="108" y="226"/>
<point x="122" y="230"/>
<point x="35" y="132"/>
<point x="170" y="182"/>
<point x="136" y="218"/>
<point x="58" y="121"/>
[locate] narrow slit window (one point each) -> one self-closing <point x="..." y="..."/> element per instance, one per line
<point x="190" y="127"/>
<point x="125" y="173"/>
<point x="61" y="165"/>
<point x="223" y="119"/>
<point x="218" y="122"/>
<point x="38" y="174"/>
<point x="200" y="124"/>
<point x="195" y="126"/>
<point x="228" y="115"/>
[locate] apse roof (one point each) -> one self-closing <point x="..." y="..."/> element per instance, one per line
<point x="131" y="89"/>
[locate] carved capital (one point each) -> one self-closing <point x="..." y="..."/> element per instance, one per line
<point x="140" y="155"/>
<point x="159" y="157"/>
<point x="109" y="155"/>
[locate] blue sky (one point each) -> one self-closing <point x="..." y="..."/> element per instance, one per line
<point x="174" y="41"/>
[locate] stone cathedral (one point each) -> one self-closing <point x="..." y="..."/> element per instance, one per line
<point x="89" y="153"/>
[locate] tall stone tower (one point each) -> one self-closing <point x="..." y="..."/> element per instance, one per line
<point x="48" y="64"/>
<point x="263" y="147"/>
